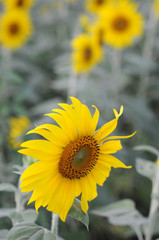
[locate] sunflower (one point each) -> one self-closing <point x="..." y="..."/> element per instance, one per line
<point x="123" y="23"/>
<point x="87" y="53"/>
<point x="15" y="28"/>
<point x="18" y="127"/>
<point x="97" y="29"/>
<point x="156" y="7"/>
<point x="95" y="6"/>
<point x="73" y="159"/>
<point x="21" y="4"/>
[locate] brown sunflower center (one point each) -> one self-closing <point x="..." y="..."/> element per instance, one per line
<point x="79" y="157"/>
<point x="14" y="28"/>
<point x="20" y="3"/>
<point x="120" y="24"/>
<point x="99" y="2"/>
<point x="87" y="53"/>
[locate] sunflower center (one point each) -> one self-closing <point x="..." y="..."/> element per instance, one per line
<point x="79" y="157"/>
<point x="99" y="2"/>
<point x="120" y="24"/>
<point x="87" y="53"/>
<point x="14" y="28"/>
<point x="20" y="3"/>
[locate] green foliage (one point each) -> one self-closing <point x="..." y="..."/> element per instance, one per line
<point x="76" y="213"/>
<point x="30" y="231"/>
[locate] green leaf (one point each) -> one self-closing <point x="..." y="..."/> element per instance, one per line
<point x="49" y="236"/>
<point x="121" y="213"/>
<point x="119" y="207"/>
<point x="30" y="231"/>
<point x="5" y="212"/>
<point x="7" y="187"/>
<point x="146" y="168"/>
<point x="29" y="215"/>
<point x="76" y="213"/>
<point x="3" y="234"/>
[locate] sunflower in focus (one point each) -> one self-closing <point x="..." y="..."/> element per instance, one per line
<point x="123" y="23"/>
<point x="21" y="4"/>
<point x="18" y="127"/>
<point x="15" y="28"/>
<point x="156" y="7"/>
<point x="95" y="6"/>
<point x="73" y="159"/>
<point x="87" y="53"/>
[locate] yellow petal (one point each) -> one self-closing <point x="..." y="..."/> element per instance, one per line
<point x="120" y="137"/>
<point x="46" y="146"/>
<point x="110" y="147"/>
<point x="39" y="155"/>
<point x="113" y="161"/>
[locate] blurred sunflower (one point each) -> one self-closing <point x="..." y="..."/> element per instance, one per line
<point x="97" y="29"/>
<point x="73" y="159"/>
<point x="15" y="28"/>
<point x="123" y="23"/>
<point x="84" y="22"/>
<point x="18" y="127"/>
<point x="94" y="6"/>
<point x="156" y="7"/>
<point x="87" y="53"/>
<point x="22" y="4"/>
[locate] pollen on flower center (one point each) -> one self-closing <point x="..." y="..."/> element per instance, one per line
<point x="14" y="28"/>
<point x="20" y="3"/>
<point x="79" y="157"/>
<point x="120" y="23"/>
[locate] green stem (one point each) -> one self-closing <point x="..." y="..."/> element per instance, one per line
<point x="148" y="50"/>
<point x="18" y="199"/>
<point x="138" y="232"/>
<point x="72" y="83"/>
<point x="153" y="206"/>
<point x="116" y="71"/>
<point x="54" y="224"/>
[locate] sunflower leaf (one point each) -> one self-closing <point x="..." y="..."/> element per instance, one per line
<point x="3" y="234"/>
<point x="30" y="231"/>
<point x="7" y="187"/>
<point x="76" y="213"/>
<point x="146" y="168"/>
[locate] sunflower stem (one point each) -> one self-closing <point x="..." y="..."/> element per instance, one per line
<point x="72" y="82"/>
<point x="138" y="233"/>
<point x="116" y="71"/>
<point x="5" y="68"/>
<point x="54" y="224"/>
<point x="153" y="206"/>
<point x="148" y="50"/>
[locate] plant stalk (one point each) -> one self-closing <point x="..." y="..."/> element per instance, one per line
<point x="54" y="224"/>
<point x="148" y="50"/>
<point x="153" y="206"/>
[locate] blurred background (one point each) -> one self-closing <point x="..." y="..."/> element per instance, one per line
<point x="43" y="61"/>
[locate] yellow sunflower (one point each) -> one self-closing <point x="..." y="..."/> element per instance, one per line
<point x="87" y="53"/>
<point x="98" y="29"/>
<point x="123" y="23"/>
<point x="73" y="159"/>
<point x="21" y="4"/>
<point x="18" y="127"/>
<point x="95" y="6"/>
<point x="15" y="28"/>
<point x="156" y="7"/>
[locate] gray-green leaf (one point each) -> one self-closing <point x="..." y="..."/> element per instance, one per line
<point x="30" y="231"/>
<point x="7" y="187"/>
<point x="76" y="213"/>
<point x="146" y="168"/>
<point x="3" y="234"/>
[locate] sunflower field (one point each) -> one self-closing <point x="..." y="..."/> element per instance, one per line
<point x="79" y="119"/>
